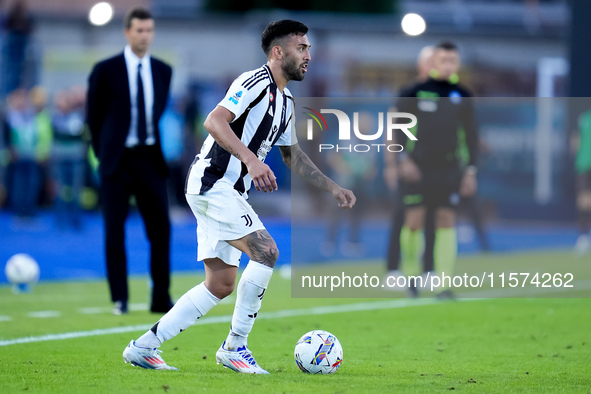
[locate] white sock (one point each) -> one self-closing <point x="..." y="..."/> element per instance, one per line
<point x="251" y="289"/>
<point x="190" y="307"/>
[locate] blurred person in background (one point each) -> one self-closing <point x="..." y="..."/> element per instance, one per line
<point x="4" y="162"/>
<point x="354" y="171"/>
<point x="68" y="157"/>
<point x="127" y="95"/>
<point x="24" y="143"/>
<point x="194" y="130"/>
<point x="39" y="99"/>
<point x="18" y="28"/>
<point x="394" y="258"/>
<point x="470" y="205"/>
<point x="172" y="137"/>
<point x="4" y="159"/>
<point x="91" y="184"/>
<point x="432" y="173"/>
<point x="583" y="169"/>
<point x="78" y="98"/>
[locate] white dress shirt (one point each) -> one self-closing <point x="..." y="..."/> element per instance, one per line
<point x="132" y="62"/>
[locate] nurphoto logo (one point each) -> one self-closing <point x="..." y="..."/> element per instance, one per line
<point x="344" y="130"/>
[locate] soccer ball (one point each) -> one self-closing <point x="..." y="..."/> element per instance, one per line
<point x="318" y="351"/>
<point x="22" y="269"/>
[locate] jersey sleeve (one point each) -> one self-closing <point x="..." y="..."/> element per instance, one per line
<point x="238" y="97"/>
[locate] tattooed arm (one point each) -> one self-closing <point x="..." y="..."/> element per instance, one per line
<point x="218" y="125"/>
<point x="300" y="163"/>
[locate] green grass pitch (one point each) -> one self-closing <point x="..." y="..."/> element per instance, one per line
<point x="479" y="345"/>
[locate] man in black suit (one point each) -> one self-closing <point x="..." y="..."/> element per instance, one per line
<point x="127" y="95"/>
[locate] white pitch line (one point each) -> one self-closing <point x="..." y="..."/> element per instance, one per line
<point x="5" y="318"/>
<point x="44" y="314"/>
<point x="322" y="310"/>
<point x="102" y="309"/>
<point x="92" y="310"/>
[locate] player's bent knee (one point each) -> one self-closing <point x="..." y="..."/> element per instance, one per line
<point x="226" y="291"/>
<point x="221" y="289"/>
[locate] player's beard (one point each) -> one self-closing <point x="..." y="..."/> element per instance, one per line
<point x="291" y="70"/>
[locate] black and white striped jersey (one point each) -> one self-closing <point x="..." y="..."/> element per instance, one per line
<point x="263" y="118"/>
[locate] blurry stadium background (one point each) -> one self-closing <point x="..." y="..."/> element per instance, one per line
<point x="527" y="61"/>
<point x="515" y="54"/>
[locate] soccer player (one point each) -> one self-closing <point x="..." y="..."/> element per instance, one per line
<point x="433" y="175"/>
<point x="583" y="168"/>
<point x="255" y="114"/>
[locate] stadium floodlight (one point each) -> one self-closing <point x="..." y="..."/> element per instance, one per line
<point x="413" y="24"/>
<point x="100" y="14"/>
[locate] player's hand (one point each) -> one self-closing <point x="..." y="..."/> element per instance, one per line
<point x="469" y="185"/>
<point x="409" y="171"/>
<point x="345" y="197"/>
<point x="262" y="176"/>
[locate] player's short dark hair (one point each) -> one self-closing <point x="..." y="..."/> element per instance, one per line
<point x="136" y="13"/>
<point x="447" y="46"/>
<point x="278" y="30"/>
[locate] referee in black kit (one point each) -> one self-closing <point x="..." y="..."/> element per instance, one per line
<point x="434" y="174"/>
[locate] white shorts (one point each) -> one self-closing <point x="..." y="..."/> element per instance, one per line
<point x="222" y="215"/>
